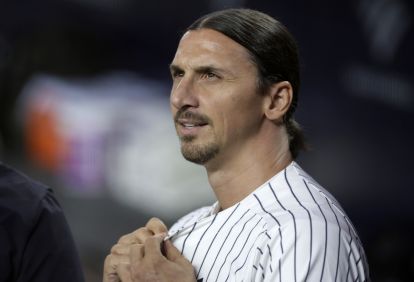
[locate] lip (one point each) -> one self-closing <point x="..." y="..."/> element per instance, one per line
<point x="191" y="122"/>
<point x="187" y="127"/>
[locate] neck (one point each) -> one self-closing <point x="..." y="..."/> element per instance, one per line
<point x="235" y="177"/>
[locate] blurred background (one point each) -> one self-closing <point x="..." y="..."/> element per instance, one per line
<point x="84" y="88"/>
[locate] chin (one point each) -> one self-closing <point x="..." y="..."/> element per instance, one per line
<point x="199" y="154"/>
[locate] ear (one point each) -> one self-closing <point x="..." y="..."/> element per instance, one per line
<point x="278" y="100"/>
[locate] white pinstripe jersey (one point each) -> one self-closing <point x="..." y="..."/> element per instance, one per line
<point x="289" y="229"/>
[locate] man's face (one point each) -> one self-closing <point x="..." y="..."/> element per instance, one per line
<point x="214" y="98"/>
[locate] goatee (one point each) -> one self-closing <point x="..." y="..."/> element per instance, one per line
<point x="198" y="153"/>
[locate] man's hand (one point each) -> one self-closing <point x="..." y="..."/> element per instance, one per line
<point x="119" y="256"/>
<point x="149" y="264"/>
<point x="144" y="256"/>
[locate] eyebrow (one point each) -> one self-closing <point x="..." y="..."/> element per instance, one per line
<point x="174" y="68"/>
<point x="201" y="69"/>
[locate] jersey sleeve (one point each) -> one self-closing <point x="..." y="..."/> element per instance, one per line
<point x="50" y="253"/>
<point x="307" y="250"/>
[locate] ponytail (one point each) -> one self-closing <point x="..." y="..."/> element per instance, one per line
<point x="297" y="141"/>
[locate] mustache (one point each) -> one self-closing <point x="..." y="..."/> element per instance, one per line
<point x="184" y="113"/>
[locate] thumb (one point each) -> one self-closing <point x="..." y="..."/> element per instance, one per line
<point x="171" y="252"/>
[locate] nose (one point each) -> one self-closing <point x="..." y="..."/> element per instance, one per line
<point x="183" y="94"/>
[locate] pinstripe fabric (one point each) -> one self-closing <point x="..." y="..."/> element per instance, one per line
<point x="288" y="229"/>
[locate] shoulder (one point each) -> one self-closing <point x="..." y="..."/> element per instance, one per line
<point x="32" y="225"/>
<point x="23" y="201"/>
<point x="21" y="195"/>
<point x="306" y="227"/>
<point x="298" y="211"/>
<point x="16" y="186"/>
<point x="293" y="197"/>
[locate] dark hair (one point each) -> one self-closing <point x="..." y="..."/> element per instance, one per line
<point x="272" y="49"/>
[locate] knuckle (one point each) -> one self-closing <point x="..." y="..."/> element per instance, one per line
<point x="114" y="248"/>
<point x="154" y="221"/>
<point x="133" y="237"/>
<point x="141" y="234"/>
<point x="108" y="259"/>
<point x="108" y="264"/>
<point x="142" y="230"/>
<point x="156" y="225"/>
<point x="124" y="238"/>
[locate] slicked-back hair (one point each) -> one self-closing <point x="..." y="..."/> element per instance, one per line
<point x="272" y="49"/>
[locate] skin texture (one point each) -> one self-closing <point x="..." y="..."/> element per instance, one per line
<point x="224" y="124"/>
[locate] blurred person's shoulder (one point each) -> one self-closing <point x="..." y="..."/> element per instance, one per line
<point x="21" y="197"/>
<point x="15" y="185"/>
<point x="35" y="240"/>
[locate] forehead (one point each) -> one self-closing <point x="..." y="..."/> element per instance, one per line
<point x="207" y="46"/>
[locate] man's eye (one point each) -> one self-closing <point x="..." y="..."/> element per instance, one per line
<point x="177" y="74"/>
<point x="209" y="75"/>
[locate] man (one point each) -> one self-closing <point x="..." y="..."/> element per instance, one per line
<point x="235" y="89"/>
<point x="36" y="244"/>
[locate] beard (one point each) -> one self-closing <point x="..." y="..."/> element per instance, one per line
<point x="191" y="151"/>
<point x="198" y="153"/>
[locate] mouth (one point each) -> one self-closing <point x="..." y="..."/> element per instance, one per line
<point x="190" y="127"/>
<point x="190" y="123"/>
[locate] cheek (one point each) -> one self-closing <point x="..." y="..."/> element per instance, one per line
<point x="229" y="119"/>
<point x="247" y="114"/>
<point x="233" y="109"/>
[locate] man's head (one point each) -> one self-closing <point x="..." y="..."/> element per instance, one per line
<point x="254" y="46"/>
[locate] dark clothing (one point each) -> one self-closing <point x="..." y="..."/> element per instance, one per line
<point x="36" y="244"/>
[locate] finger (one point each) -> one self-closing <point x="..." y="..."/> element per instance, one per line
<point x="112" y="277"/>
<point x="112" y="262"/>
<point x="124" y="272"/>
<point x="114" y="259"/>
<point x="153" y="246"/>
<point x="109" y="271"/>
<point x="107" y="264"/>
<point x="171" y="252"/>
<point x="137" y="237"/>
<point x="175" y="256"/>
<point x="156" y="226"/>
<point x="120" y="249"/>
<point x="136" y="253"/>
